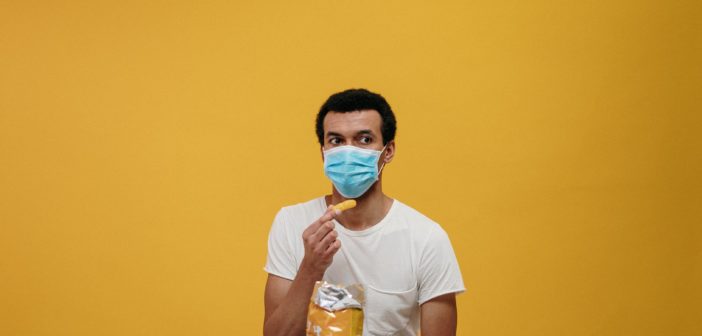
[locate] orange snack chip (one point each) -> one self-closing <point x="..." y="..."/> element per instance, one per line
<point x="345" y="205"/>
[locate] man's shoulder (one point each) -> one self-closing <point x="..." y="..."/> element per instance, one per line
<point x="417" y="221"/>
<point x="309" y="204"/>
<point x="304" y="210"/>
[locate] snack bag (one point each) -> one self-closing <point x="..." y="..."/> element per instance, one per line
<point x="335" y="310"/>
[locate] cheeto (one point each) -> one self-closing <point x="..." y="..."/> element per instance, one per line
<point x="345" y="205"/>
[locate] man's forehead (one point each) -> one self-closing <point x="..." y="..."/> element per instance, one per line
<point x="353" y="121"/>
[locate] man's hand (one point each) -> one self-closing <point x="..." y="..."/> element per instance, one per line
<point x="320" y="244"/>
<point x="286" y="301"/>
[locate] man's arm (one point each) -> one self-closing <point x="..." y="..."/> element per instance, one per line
<point x="286" y="301"/>
<point x="286" y="305"/>
<point x="438" y="316"/>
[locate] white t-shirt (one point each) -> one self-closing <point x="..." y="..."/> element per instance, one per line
<point x="403" y="261"/>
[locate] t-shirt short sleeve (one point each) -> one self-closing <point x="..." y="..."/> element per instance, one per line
<point x="280" y="260"/>
<point x="439" y="273"/>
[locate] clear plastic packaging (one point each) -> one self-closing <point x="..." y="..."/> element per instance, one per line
<point x="335" y="310"/>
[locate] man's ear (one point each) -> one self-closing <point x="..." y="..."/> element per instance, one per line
<point x="389" y="152"/>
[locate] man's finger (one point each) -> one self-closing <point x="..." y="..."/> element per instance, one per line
<point x="333" y="248"/>
<point x="327" y="216"/>
<point x="328" y="240"/>
<point x="322" y="231"/>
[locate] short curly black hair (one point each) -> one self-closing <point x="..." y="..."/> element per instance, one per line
<point x="356" y="100"/>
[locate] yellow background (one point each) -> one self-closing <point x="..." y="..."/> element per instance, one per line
<point x="146" y="146"/>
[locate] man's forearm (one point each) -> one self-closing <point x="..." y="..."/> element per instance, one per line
<point x="290" y="317"/>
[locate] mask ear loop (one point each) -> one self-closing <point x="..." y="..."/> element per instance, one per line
<point x="383" y="165"/>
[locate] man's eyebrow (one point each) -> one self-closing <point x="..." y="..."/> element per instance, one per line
<point x="365" y="131"/>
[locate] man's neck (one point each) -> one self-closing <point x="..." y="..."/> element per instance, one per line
<point x="370" y="208"/>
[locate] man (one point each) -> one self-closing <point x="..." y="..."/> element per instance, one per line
<point x="404" y="260"/>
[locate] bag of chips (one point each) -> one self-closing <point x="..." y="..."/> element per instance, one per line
<point x="335" y="310"/>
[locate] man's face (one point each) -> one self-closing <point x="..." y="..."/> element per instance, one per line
<point x="357" y="128"/>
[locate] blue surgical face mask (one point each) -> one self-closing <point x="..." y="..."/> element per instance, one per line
<point x="352" y="170"/>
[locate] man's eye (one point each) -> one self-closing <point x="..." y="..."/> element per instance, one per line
<point x="334" y="141"/>
<point x="366" y="140"/>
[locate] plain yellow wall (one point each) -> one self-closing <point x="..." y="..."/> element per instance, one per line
<point x="146" y="146"/>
